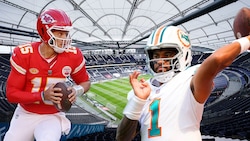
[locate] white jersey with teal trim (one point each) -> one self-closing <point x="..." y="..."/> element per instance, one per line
<point x="171" y="112"/>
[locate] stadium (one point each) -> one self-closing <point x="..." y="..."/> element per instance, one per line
<point x="112" y="36"/>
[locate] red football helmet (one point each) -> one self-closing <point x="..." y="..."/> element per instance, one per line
<point x="54" y="19"/>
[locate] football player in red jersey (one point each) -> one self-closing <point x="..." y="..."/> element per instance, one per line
<point x="35" y="69"/>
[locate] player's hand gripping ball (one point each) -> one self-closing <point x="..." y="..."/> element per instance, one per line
<point x="65" y="104"/>
<point x="241" y="24"/>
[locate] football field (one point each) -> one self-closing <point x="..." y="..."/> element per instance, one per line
<point x="112" y="94"/>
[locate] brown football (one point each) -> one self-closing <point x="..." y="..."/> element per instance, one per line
<point x="241" y="24"/>
<point x="65" y="104"/>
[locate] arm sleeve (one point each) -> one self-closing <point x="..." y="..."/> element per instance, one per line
<point x="80" y="73"/>
<point x="17" y="79"/>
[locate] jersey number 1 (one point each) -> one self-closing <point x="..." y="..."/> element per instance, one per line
<point x="155" y="130"/>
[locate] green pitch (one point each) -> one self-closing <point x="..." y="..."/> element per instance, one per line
<point x="112" y="94"/>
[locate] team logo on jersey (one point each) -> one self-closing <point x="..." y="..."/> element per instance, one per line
<point x="33" y="70"/>
<point x="66" y="71"/>
<point x="184" y="39"/>
<point x="47" y="19"/>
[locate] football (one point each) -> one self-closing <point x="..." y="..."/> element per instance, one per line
<point x="241" y="24"/>
<point x="65" y="104"/>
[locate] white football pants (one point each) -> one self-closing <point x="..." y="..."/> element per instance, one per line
<point x="27" y="126"/>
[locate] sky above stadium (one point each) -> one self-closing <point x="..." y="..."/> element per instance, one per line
<point x="100" y="24"/>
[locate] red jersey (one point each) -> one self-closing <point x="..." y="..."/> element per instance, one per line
<point x="31" y="74"/>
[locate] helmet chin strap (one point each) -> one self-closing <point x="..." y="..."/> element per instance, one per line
<point x="54" y="46"/>
<point x="57" y="49"/>
<point x="164" y="77"/>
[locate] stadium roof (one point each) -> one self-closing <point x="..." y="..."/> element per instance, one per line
<point x="113" y="24"/>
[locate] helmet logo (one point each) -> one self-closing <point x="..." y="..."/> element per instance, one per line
<point x="47" y="19"/>
<point x="184" y="39"/>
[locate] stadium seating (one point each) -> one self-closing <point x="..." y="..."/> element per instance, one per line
<point x="6" y="108"/>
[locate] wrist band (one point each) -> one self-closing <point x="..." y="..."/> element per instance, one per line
<point x="48" y="102"/>
<point x="134" y="108"/>
<point x="79" y="89"/>
<point x="244" y="44"/>
<point x="42" y="95"/>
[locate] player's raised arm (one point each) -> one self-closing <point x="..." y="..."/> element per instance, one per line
<point x="129" y="125"/>
<point x="202" y="82"/>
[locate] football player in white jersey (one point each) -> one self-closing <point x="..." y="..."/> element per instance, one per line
<point x="169" y="106"/>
